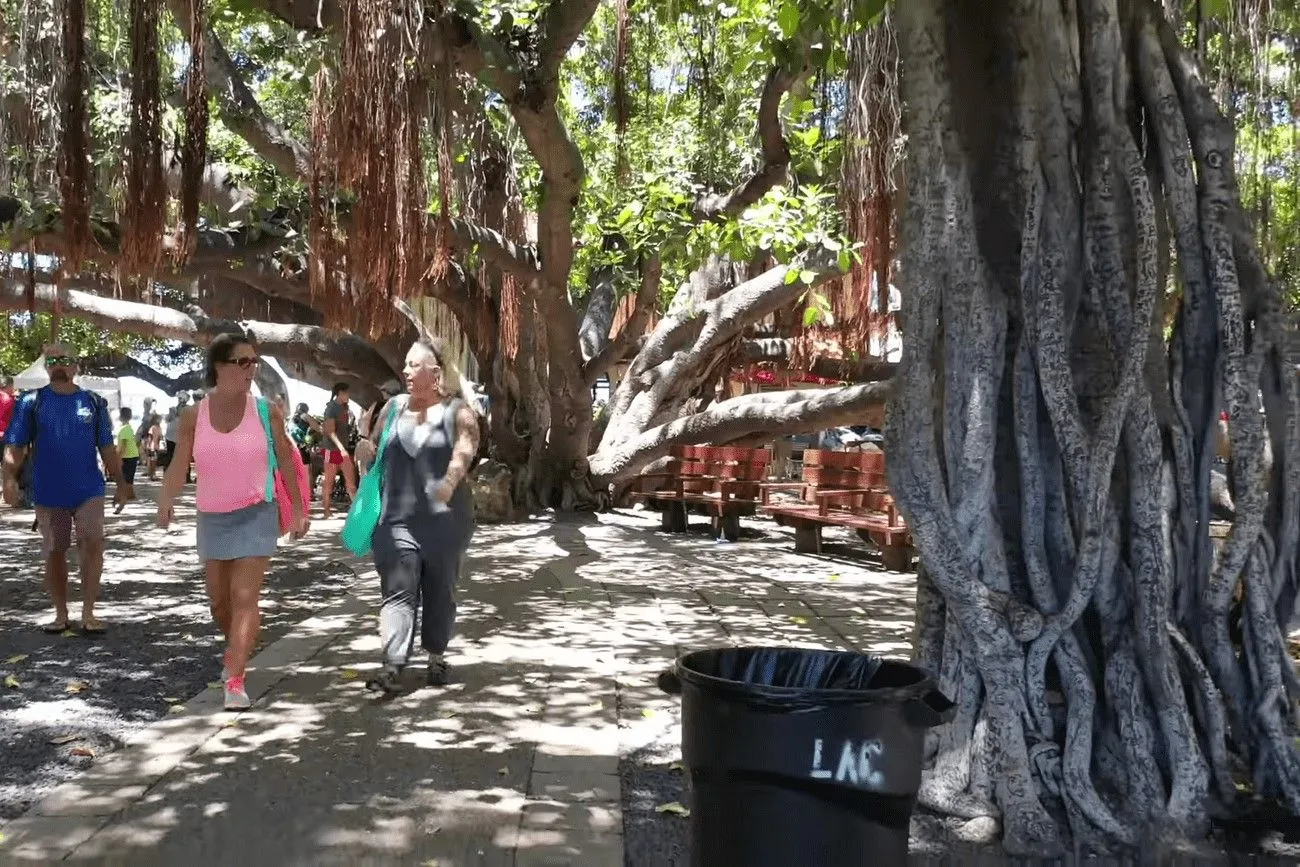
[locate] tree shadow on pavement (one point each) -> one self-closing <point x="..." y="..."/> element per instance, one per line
<point x="564" y="625"/>
<point x="70" y="699"/>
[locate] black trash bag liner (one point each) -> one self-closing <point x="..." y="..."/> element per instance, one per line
<point x="792" y="680"/>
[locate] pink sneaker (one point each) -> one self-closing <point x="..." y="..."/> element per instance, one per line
<point x="236" y="696"/>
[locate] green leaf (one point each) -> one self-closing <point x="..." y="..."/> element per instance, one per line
<point x="844" y="260"/>
<point x="810" y="315"/>
<point x="808" y="277"/>
<point x="791" y="275"/>
<point x="867" y="11"/>
<point x="787" y="18"/>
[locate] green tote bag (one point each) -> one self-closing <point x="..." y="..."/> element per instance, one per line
<point x="363" y="517"/>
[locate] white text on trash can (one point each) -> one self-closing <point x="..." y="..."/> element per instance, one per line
<point x="855" y="765"/>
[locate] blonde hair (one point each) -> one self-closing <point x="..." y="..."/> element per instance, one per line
<point x="453" y="383"/>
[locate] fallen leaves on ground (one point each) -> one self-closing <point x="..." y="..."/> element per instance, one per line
<point x="83" y="751"/>
<point x="673" y="808"/>
<point x="170" y="699"/>
<point x="833" y="577"/>
<point x="15" y="659"/>
<point x="76" y="686"/>
<point x="647" y="712"/>
<point x="676" y="766"/>
<point x="176" y="708"/>
<point x="214" y="684"/>
<point x="503" y="771"/>
<point x="64" y="739"/>
<point x="12" y="682"/>
<point x="348" y="674"/>
<point x="68" y="633"/>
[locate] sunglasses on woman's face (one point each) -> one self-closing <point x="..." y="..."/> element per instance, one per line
<point x="60" y="361"/>
<point x="246" y="362"/>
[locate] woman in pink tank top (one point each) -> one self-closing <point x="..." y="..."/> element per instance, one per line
<point x="238" y="519"/>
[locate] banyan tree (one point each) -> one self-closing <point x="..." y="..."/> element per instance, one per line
<point x="1119" y="679"/>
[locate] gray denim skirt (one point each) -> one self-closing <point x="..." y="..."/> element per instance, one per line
<point x="248" y="532"/>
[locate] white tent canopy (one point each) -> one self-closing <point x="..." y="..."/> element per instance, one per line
<point x="37" y="377"/>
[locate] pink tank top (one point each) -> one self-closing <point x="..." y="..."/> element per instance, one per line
<point x="231" y="467"/>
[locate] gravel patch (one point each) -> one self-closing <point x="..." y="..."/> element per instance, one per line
<point x="66" y="700"/>
<point x="650" y="778"/>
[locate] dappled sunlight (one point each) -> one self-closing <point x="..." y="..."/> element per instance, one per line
<point x="78" y="700"/>
<point x="564" y="626"/>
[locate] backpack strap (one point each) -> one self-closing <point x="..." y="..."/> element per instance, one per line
<point x="100" y="404"/>
<point x="272" y="463"/>
<point x="395" y="408"/>
<point x="36" y="414"/>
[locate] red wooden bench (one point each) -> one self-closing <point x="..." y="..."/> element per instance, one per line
<point x="721" y="481"/>
<point x="846" y="489"/>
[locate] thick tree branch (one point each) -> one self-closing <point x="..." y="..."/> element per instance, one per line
<point x="685" y="342"/>
<point x="561" y="25"/>
<point x="773" y="148"/>
<point x="344" y="356"/>
<point x="778" y="349"/>
<point x="778" y="414"/>
<point x="119" y="364"/>
<point x="497" y="250"/>
<point x="311" y="15"/>
<point x="633" y="329"/>
<point x="730" y="312"/>
<point x="240" y="111"/>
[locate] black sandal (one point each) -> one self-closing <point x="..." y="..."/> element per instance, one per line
<point x="388" y="681"/>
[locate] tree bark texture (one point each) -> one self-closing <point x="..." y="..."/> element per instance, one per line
<point x="1051" y="451"/>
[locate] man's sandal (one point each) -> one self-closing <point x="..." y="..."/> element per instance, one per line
<point x="93" y="626"/>
<point x="55" y="628"/>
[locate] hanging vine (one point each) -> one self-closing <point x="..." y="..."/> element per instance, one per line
<point x="74" y="146"/>
<point x="145" y="214"/>
<point x="325" y="262"/>
<point x="870" y="177"/>
<point x="194" y="144"/>
<point x="620" y="100"/>
<point x="379" y="99"/>
<point x="444" y="86"/>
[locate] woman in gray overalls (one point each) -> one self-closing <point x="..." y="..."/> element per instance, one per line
<point x="427" y="511"/>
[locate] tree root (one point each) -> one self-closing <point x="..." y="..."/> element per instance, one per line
<point x="1091" y="567"/>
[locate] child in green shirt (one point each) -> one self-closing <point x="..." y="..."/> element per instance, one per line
<point x="129" y="448"/>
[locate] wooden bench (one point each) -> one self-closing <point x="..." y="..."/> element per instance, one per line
<point x="721" y="481"/>
<point x="846" y="489"/>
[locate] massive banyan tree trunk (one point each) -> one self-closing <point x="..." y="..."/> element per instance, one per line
<point x="1051" y="447"/>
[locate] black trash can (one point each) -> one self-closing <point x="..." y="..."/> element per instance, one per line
<point x="802" y="757"/>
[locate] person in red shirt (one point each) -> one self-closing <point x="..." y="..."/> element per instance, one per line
<point x="6" y="404"/>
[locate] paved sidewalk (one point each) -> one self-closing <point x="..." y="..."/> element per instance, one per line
<point x="564" y="625"/>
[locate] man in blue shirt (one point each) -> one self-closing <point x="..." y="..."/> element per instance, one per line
<point x="64" y="426"/>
